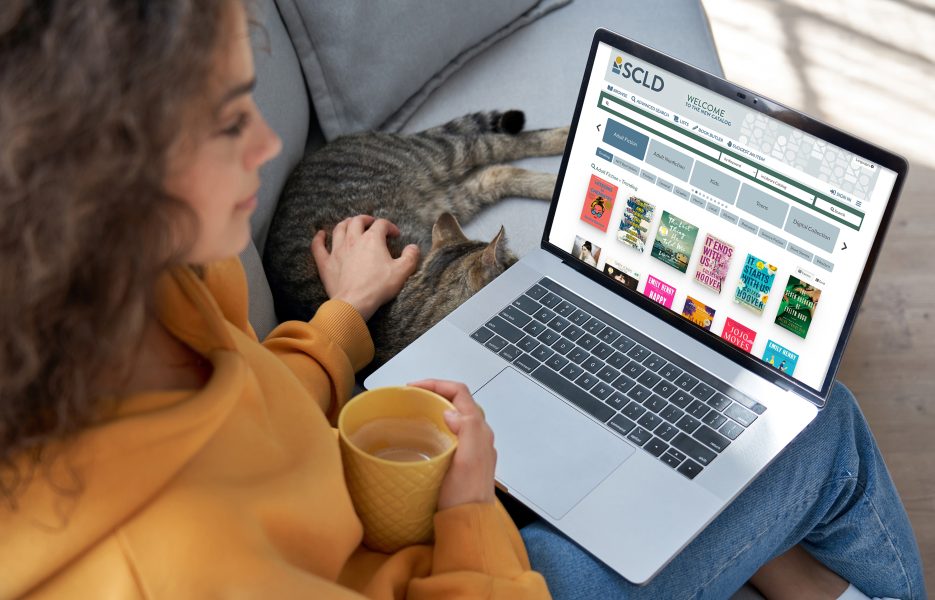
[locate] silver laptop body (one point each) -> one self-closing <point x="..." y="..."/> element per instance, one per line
<point x="675" y="354"/>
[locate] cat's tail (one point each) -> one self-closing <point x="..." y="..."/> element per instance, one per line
<point x="492" y="121"/>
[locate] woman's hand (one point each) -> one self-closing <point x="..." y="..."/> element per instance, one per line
<point x="470" y="477"/>
<point x="359" y="269"/>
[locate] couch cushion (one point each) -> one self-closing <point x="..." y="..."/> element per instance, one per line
<point x="398" y="119"/>
<point x="262" y="310"/>
<point x="362" y="60"/>
<point x="280" y="94"/>
<point x="539" y="68"/>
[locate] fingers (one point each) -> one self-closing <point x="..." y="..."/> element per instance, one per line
<point x="357" y="266"/>
<point x="357" y="225"/>
<point x="319" y="252"/>
<point x="470" y="478"/>
<point x="453" y="420"/>
<point x="475" y="430"/>
<point x="339" y="233"/>
<point x="474" y="433"/>
<point x="408" y="262"/>
<point x="457" y="393"/>
<point x="410" y="256"/>
<point x="384" y="228"/>
<point x="442" y="387"/>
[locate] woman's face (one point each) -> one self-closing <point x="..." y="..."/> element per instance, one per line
<point x="215" y="168"/>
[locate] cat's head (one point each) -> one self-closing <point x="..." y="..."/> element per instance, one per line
<point x="456" y="267"/>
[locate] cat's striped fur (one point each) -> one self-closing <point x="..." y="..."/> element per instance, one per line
<point x="411" y="180"/>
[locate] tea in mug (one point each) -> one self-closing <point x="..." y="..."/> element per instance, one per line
<point x="400" y="440"/>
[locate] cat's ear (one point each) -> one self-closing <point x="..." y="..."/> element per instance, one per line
<point x="495" y="252"/>
<point x="446" y="230"/>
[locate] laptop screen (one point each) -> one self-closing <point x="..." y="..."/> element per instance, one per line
<point x="748" y="228"/>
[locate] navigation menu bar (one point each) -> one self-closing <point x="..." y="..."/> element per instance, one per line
<point x="743" y="187"/>
<point x="780" y="183"/>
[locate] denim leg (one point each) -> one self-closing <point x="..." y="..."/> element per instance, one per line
<point x="828" y="490"/>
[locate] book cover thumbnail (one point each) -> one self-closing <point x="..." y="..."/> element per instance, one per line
<point x="797" y="308"/>
<point x="586" y="251"/>
<point x="780" y="357"/>
<point x="738" y="335"/>
<point x="756" y="280"/>
<point x="622" y="274"/>
<point x="674" y="241"/>
<point x="659" y="291"/>
<point x="599" y="203"/>
<point x="635" y="222"/>
<point x="714" y="263"/>
<point x="698" y="313"/>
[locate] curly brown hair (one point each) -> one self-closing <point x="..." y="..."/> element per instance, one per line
<point x="92" y="96"/>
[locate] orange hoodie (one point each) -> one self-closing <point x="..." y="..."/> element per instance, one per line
<point x="236" y="490"/>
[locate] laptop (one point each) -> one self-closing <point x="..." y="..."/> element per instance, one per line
<point x="704" y="257"/>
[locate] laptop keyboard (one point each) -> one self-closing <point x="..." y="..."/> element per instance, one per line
<point x="638" y="389"/>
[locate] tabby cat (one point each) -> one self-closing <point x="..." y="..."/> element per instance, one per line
<point x="424" y="183"/>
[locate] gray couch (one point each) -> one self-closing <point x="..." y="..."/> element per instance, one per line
<point x="536" y="68"/>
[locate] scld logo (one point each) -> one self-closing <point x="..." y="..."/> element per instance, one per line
<point x="637" y="74"/>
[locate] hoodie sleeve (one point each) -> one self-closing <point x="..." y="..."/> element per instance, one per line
<point x="325" y="353"/>
<point x="478" y="553"/>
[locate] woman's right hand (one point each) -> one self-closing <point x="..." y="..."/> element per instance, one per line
<point x="359" y="269"/>
<point x="470" y="477"/>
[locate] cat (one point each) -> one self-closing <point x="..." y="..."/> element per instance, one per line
<point x="424" y="183"/>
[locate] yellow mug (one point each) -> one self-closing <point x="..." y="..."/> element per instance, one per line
<point x="396" y="449"/>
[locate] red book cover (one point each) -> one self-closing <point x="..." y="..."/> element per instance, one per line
<point x="738" y="335"/>
<point x="599" y="203"/>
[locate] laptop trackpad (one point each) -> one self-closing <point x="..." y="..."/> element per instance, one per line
<point x="547" y="451"/>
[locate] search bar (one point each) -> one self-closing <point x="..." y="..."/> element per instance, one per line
<point x="672" y="134"/>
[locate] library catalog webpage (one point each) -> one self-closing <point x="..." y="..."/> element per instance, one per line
<point x="750" y="229"/>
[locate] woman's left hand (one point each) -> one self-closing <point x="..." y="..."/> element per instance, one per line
<point x="470" y="477"/>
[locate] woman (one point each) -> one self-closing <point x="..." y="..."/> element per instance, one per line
<point x="150" y="445"/>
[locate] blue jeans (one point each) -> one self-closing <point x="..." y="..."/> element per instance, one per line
<point x="829" y="491"/>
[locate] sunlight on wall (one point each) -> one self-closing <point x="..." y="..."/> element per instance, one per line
<point x="866" y="66"/>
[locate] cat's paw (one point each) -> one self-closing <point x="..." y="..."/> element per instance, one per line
<point x="543" y="186"/>
<point x="555" y="140"/>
